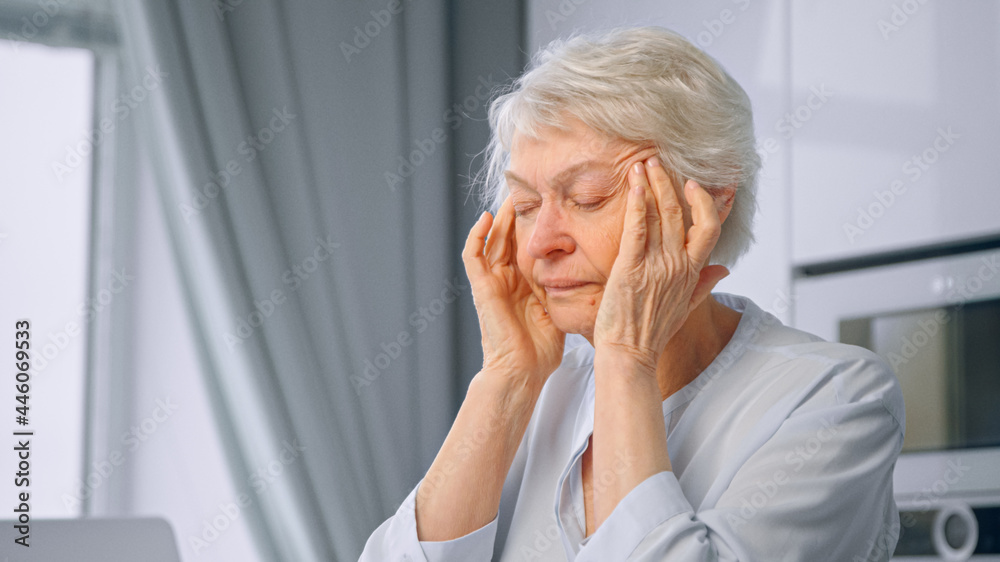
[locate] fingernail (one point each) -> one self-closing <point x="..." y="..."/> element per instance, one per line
<point x="654" y="162"/>
<point x="637" y="167"/>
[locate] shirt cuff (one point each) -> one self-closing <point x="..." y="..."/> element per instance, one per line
<point x="477" y="546"/>
<point x="657" y="499"/>
<point x="474" y="547"/>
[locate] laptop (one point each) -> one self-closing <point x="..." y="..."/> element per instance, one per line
<point x="90" y="540"/>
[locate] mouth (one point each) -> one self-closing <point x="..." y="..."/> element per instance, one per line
<point x="563" y="288"/>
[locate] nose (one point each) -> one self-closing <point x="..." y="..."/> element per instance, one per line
<point x="550" y="234"/>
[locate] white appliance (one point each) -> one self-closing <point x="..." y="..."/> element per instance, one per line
<point x="934" y="316"/>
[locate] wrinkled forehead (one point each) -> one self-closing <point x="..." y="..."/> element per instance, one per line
<point x="556" y="151"/>
<point x="589" y="172"/>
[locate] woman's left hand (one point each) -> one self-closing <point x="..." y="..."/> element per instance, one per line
<point x="660" y="275"/>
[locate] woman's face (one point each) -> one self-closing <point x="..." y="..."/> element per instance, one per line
<point x="569" y="191"/>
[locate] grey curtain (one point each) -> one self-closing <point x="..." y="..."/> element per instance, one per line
<point x="310" y="159"/>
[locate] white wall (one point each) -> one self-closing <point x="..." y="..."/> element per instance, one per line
<point x="750" y="39"/>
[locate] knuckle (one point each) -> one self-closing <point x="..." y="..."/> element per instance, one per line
<point x="713" y="231"/>
<point x="672" y="211"/>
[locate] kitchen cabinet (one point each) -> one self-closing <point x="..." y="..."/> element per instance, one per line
<point x="902" y="149"/>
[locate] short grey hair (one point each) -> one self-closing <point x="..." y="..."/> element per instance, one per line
<point x="644" y="84"/>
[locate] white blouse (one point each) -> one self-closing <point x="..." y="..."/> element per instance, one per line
<point x="782" y="449"/>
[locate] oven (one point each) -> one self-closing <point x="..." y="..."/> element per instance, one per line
<point x="936" y="322"/>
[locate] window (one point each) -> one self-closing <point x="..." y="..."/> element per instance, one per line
<point x="46" y="107"/>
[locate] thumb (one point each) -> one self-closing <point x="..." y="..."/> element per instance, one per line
<point x="536" y="311"/>
<point x="708" y="278"/>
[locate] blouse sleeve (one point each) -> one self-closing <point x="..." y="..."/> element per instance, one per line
<point x="396" y="540"/>
<point x="819" y="487"/>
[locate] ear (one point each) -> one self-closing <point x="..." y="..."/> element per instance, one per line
<point x="724" y="198"/>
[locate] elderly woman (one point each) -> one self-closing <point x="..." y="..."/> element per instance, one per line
<point x="683" y="425"/>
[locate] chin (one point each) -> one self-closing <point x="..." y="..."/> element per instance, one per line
<point x="573" y="319"/>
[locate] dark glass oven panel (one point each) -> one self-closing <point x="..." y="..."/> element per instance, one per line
<point x="947" y="361"/>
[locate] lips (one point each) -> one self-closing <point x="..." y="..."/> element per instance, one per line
<point x="556" y="286"/>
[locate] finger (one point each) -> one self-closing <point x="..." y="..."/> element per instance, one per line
<point x="706" y="227"/>
<point x="633" y="245"/>
<point x="472" y="255"/>
<point x="491" y="238"/>
<point x="652" y="217"/>
<point x="497" y="242"/>
<point x="670" y="210"/>
<point x="510" y="237"/>
<point x="708" y="278"/>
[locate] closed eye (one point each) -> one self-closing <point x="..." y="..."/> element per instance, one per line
<point x="523" y="210"/>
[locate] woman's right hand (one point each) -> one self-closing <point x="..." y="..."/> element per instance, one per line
<point x="519" y="338"/>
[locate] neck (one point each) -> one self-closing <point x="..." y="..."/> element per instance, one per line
<point x="701" y="338"/>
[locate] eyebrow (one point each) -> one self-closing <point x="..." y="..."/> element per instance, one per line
<point x="563" y="178"/>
